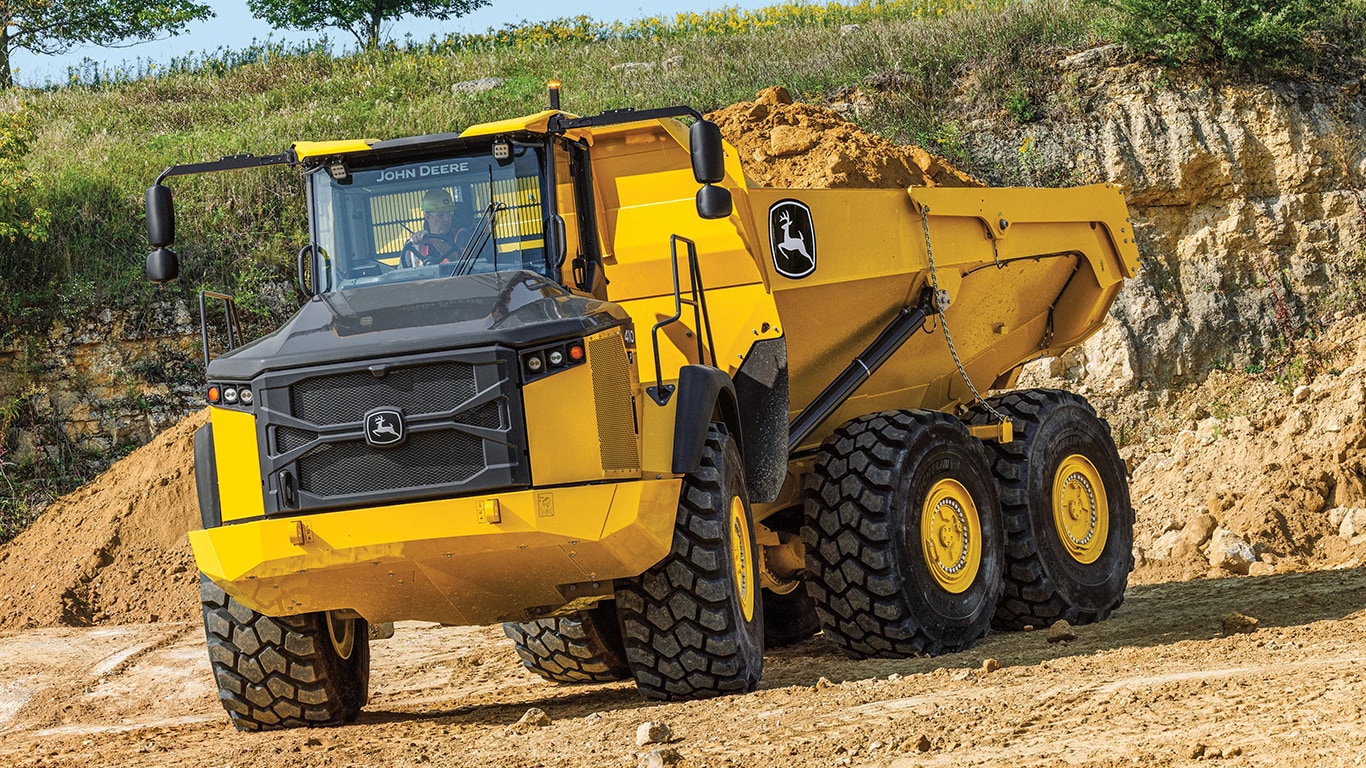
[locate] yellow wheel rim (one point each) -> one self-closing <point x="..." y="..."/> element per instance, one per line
<point x="741" y="557"/>
<point x="342" y="632"/>
<point x="951" y="535"/>
<point x="1081" y="513"/>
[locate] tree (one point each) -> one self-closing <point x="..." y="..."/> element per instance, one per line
<point x="50" y="27"/>
<point x="362" y="18"/>
<point x="20" y="218"/>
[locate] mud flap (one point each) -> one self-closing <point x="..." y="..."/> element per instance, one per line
<point x="699" y="396"/>
<point x="206" y="478"/>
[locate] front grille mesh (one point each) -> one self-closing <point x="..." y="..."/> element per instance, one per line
<point x="321" y="450"/>
<point x="427" y="458"/>
<point x="346" y="397"/>
<point x="488" y="416"/>
<point x="289" y="438"/>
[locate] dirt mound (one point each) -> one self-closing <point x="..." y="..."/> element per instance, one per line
<point x="1265" y="476"/>
<point x="114" y="551"/>
<point x="803" y="146"/>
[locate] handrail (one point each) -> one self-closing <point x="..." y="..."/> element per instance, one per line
<point x="661" y="392"/>
<point x="232" y="319"/>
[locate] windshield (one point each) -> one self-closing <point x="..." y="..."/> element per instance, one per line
<point x="459" y="213"/>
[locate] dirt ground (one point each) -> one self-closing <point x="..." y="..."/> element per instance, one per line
<point x="1240" y="643"/>
<point x="1160" y="683"/>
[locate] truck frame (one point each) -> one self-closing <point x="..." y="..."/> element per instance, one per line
<point x="652" y="428"/>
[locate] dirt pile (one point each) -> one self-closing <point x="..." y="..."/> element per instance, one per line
<point x="114" y="551"/>
<point x="804" y="146"/>
<point x="1266" y="476"/>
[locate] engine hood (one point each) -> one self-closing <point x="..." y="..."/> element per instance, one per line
<point x="379" y="321"/>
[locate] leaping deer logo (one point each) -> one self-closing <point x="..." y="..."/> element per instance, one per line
<point x="789" y="244"/>
<point x="384" y="428"/>
<point x="793" y="239"/>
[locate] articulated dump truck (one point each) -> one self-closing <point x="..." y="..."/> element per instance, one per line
<point x="651" y="427"/>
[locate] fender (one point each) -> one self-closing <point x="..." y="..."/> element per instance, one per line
<point x="206" y="478"/>
<point x="703" y="393"/>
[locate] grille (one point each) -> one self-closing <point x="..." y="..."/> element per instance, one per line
<point x="343" y="398"/>
<point x="612" y="396"/>
<point x="427" y="458"/>
<point x="314" y="425"/>
<point x="488" y="416"/>
<point x="289" y="438"/>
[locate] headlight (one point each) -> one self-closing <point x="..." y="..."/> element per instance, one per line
<point x="239" y="395"/>
<point x="546" y="360"/>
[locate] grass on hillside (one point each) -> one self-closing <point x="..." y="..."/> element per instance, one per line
<point x="98" y="148"/>
<point x="930" y="66"/>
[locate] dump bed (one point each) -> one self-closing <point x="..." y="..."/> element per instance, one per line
<point x="1029" y="273"/>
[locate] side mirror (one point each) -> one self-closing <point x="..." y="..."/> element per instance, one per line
<point x="708" y="153"/>
<point x="713" y="202"/>
<point x="162" y="265"/>
<point x="160" y="216"/>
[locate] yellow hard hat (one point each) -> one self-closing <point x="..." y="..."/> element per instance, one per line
<point x="437" y="201"/>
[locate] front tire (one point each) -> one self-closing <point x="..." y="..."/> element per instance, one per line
<point x="903" y="536"/>
<point x="285" y="672"/>
<point x="1065" y="500"/>
<point x="693" y="624"/>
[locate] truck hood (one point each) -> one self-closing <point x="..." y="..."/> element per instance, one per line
<point x="380" y="321"/>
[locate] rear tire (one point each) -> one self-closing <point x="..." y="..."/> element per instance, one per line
<point x="693" y="624"/>
<point x="1066" y="558"/>
<point x="287" y="671"/>
<point x="903" y="536"/>
<point x="583" y="647"/>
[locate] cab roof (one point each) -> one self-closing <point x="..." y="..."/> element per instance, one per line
<point x="537" y="123"/>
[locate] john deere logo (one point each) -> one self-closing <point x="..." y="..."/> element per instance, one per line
<point x="792" y="237"/>
<point x="384" y="427"/>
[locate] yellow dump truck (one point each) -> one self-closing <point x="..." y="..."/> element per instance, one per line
<point x="544" y="378"/>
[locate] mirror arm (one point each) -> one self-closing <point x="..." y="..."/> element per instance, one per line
<point x="229" y="163"/>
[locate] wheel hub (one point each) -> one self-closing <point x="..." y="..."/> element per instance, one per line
<point x="1080" y="509"/>
<point x="951" y="535"/>
<point x="741" y="557"/>
<point x="342" y="633"/>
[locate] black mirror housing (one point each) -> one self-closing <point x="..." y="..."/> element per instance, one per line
<point x="713" y="202"/>
<point x="163" y="265"/>
<point x="708" y="153"/>
<point x="160" y="216"/>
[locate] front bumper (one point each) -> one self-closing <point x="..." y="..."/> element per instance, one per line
<point x="448" y="560"/>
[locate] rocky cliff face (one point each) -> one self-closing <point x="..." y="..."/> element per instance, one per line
<point x="111" y="380"/>
<point x="1246" y="201"/>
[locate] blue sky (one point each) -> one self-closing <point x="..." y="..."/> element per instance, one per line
<point x="235" y="27"/>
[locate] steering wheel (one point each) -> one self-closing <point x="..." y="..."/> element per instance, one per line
<point x="411" y="256"/>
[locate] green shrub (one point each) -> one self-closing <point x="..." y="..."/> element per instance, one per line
<point x="1249" y="35"/>
<point x="19" y="218"/>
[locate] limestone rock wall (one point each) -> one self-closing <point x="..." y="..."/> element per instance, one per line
<point x="109" y="381"/>
<point x="1246" y="201"/>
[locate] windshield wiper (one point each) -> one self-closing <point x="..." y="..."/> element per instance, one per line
<point x="483" y="230"/>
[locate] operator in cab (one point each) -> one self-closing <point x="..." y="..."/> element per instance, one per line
<point x="439" y="241"/>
